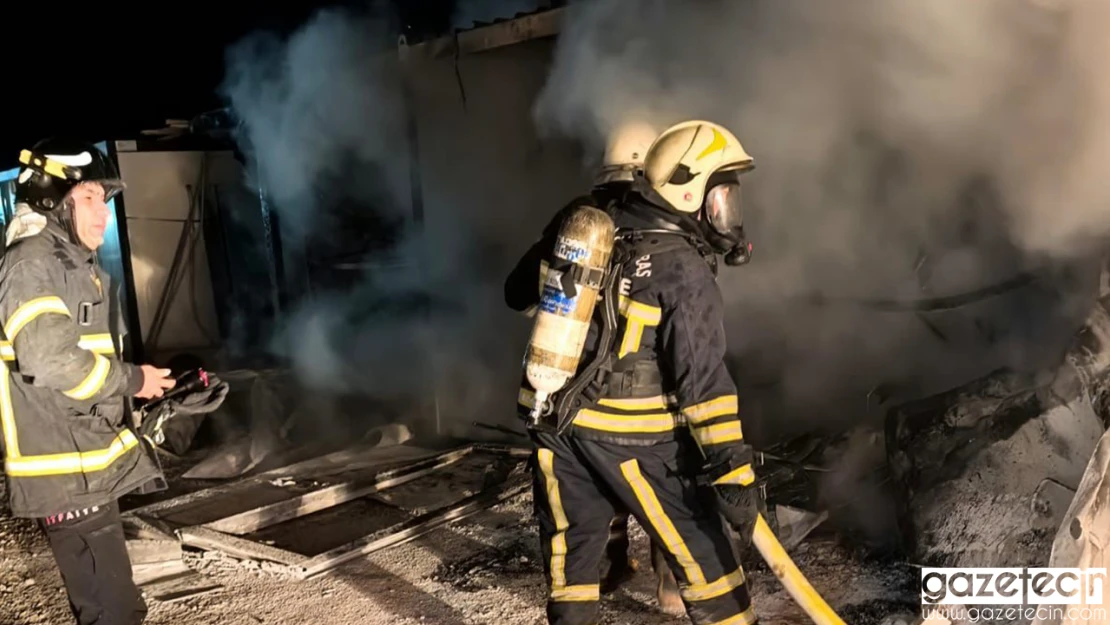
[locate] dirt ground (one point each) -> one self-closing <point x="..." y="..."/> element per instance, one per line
<point x="485" y="569"/>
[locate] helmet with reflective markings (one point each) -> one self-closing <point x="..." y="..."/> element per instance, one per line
<point x="680" y="162"/>
<point x="53" y="167"/>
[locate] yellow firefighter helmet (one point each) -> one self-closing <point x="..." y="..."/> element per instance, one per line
<point x="681" y="160"/>
<point x="625" y="151"/>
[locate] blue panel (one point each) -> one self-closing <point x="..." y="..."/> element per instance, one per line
<point x="109" y="253"/>
<point x="7" y="193"/>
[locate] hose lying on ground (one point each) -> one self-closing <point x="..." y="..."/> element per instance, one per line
<point x="792" y="579"/>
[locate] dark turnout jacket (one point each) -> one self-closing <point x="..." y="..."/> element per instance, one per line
<point x="67" y="444"/>
<point x="667" y="371"/>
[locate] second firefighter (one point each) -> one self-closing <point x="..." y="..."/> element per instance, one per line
<point x="651" y="425"/>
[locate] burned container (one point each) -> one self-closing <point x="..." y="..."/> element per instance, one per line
<point x="985" y="472"/>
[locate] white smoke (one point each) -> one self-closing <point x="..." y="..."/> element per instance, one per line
<point x="903" y="150"/>
<point x="324" y="123"/>
<point x="321" y="114"/>
<point x="1013" y="90"/>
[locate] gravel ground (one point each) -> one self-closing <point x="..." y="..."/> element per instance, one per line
<point x="482" y="570"/>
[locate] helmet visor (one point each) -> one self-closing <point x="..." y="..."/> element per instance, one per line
<point x="724" y="209"/>
<point x="112" y="187"/>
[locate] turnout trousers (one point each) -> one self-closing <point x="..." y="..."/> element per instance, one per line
<point x="580" y="484"/>
<point x="91" y="552"/>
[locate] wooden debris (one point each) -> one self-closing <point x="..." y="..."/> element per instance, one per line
<point x="413" y="528"/>
<point x="314" y="501"/>
<point x="152" y="551"/>
<point x="185" y="587"/>
<point x="341" y="461"/>
<point x="158" y="572"/>
<point x="137" y="528"/>
<point x="205" y="538"/>
<point x="225" y="534"/>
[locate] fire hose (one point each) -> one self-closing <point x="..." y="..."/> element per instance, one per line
<point x="790" y="576"/>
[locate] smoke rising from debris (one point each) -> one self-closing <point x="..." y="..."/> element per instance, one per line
<point x="904" y="150"/>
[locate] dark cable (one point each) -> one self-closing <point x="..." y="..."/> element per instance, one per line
<point x="183" y="257"/>
<point x="458" y="74"/>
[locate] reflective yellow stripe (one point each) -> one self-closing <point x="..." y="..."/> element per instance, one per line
<point x="98" y="343"/>
<point x="718" y="433"/>
<point x="7" y="418"/>
<point x="28" y="312"/>
<point x="659" y="402"/>
<point x="646" y="313"/>
<point x="50" y="166"/>
<point x="581" y="592"/>
<point x="639" y="316"/>
<point x="661" y="522"/>
<point x="720" y="586"/>
<point x="558" y="564"/>
<point x="747" y="617"/>
<point x="543" y="275"/>
<point x="719" y="407"/>
<point x="94" y="381"/>
<point x="16" y="464"/>
<point x="743" y="476"/>
<point x="74" y="462"/>
<point x="526" y="398"/>
<point x="627" y="424"/>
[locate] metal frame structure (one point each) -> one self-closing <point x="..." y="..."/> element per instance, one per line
<point x="227" y="533"/>
<point x="537" y="25"/>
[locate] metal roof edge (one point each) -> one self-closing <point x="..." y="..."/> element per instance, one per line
<point x="545" y="23"/>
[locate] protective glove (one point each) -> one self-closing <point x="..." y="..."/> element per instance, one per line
<point x="738" y="495"/>
<point x="203" y="401"/>
<point x="740" y="505"/>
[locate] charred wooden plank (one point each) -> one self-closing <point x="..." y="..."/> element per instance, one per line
<point x="208" y="539"/>
<point x="413" y="528"/>
<point x="314" y="501"/>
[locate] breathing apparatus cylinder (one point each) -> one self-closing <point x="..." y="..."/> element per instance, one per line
<point x="575" y="276"/>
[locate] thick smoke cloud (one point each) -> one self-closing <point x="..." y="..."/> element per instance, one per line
<point x="903" y="150"/>
<point x="321" y="114"/>
<point x="324" y="123"/>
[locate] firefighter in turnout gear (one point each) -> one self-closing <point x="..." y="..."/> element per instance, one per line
<point x="69" y="448"/>
<point x="622" y="162"/>
<point x="650" y="423"/>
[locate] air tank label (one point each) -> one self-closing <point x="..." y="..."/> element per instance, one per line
<point x="553" y="300"/>
<point x="556" y="302"/>
<point x="571" y="250"/>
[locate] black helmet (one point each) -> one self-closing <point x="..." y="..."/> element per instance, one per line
<point x="55" y="166"/>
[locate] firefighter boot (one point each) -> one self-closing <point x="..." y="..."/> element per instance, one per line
<point x="621" y="565"/>
<point x="666" y="589"/>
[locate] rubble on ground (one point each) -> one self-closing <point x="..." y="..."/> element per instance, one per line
<point x="986" y="470"/>
<point x="483" y="569"/>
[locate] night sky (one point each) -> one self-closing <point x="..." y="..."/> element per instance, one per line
<point x="102" y="71"/>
